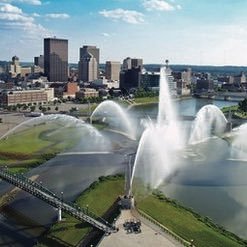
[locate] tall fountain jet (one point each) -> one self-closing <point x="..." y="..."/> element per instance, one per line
<point x="156" y="155"/>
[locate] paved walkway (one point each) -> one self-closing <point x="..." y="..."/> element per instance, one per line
<point x="10" y="120"/>
<point x="149" y="236"/>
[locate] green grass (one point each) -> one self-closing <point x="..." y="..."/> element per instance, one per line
<point x="226" y="109"/>
<point x="236" y="112"/>
<point x="36" y="139"/>
<point x="27" y="142"/>
<point x="187" y="224"/>
<point x="18" y="169"/>
<point x="147" y="100"/>
<point x="99" y="197"/>
<point x="33" y="146"/>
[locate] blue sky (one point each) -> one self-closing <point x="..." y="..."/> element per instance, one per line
<point x="184" y="31"/>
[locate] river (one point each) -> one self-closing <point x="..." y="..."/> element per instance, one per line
<point x="215" y="188"/>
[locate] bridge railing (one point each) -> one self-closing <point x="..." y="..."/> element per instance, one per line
<point x="39" y="191"/>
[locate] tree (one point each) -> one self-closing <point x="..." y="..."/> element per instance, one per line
<point x="18" y="106"/>
<point x="243" y="105"/>
<point x="32" y="108"/>
<point x="9" y="108"/>
<point x="56" y="108"/>
<point x="24" y="107"/>
<point x="48" y="108"/>
<point x="44" y="109"/>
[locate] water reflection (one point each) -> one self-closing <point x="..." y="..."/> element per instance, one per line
<point x="214" y="186"/>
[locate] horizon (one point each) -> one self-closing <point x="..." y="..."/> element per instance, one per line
<point x="208" y="33"/>
<point x="154" y="64"/>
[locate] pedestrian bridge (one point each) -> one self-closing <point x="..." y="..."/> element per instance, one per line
<point x="44" y="194"/>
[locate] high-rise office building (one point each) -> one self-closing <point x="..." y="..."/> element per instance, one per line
<point x="130" y="76"/>
<point x="93" y="51"/>
<point x="39" y="61"/>
<point x="88" y="68"/>
<point x="56" y="59"/>
<point x="14" y="67"/>
<point x="112" y="70"/>
<point x="130" y="63"/>
<point x="127" y="63"/>
<point x="136" y="63"/>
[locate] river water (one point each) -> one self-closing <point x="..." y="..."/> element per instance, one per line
<point x="208" y="179"/>
<point x="215" y="187"/>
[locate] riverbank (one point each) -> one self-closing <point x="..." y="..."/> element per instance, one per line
<point x="151" y="100"/>
<point x="186" y="223"/>
<point x="235" y="112"/>
<point x="163" y="212"/>
<point x="100" y="198"/>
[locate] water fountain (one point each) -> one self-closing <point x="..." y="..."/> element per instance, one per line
<point x="209" y="118"/>
<point x="53" y="124"/>
<point x="64" y="120"/>
<point x="157" y="154"/>
<point x="113" y="114"/>
<point x="239" y="145"/>
<point x="162" y="146"/>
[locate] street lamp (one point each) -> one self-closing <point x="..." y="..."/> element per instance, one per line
<point x="192" y="242"/>
<point x="62" y="197"/>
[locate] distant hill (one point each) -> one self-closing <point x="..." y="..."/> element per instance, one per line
<point x="224" y="70"/>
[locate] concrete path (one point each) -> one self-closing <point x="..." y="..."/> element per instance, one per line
<point x="148" y="237"/>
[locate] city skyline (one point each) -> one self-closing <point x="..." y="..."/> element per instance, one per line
<point x="201" y="32"/>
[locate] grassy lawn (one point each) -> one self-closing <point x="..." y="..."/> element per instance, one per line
<point x="226" y="109"/>
<point x="38" y="138"/>
<point x="99" y="197"/>
<point x="187" y="224"/>
<point x="147" y="100"/>
<point x="236" y="112"/>
<point x="27" y="141"/>
<point x="102" y="194"/>
<point x="33" y="146"/>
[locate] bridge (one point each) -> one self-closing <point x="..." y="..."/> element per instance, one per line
<point x="44" y="194"/>
<point x="226" y="96"/>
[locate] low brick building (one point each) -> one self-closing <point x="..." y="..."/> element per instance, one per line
<point x="87" y="93"/>
<point x="11" y="97"/>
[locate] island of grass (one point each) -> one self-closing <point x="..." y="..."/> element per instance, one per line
<point x="238" y="111"/>
<point x="102" y="195"/>
<point x="101" y="198"/>
<point x="33" y="146"/>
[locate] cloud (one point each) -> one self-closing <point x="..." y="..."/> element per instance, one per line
<point x="58" y="16"/>
<point x="8" y="8"/>
<point x="36" y="15"/>
<point x="31" y="2"/>
<point x="13" y="18"/>
<point x="160" y="5"/>
<point x="129" y="16"/>
<point x="106" y="34"/>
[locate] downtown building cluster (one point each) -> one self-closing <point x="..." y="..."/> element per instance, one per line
<point x="52" y="77"/>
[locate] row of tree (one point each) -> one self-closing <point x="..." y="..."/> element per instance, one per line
<point x="31" y="108"/>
